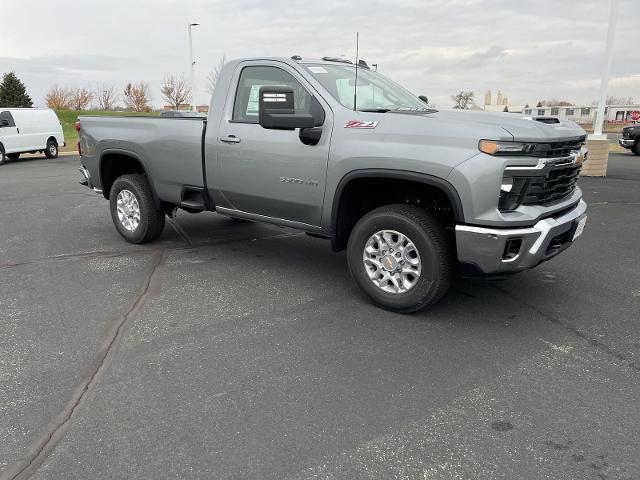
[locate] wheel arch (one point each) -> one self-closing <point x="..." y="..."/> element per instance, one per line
<point x="342" y="222"/>
<point x="117" y="162"/>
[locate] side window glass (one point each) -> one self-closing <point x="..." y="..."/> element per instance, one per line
<point x="8" y="117"/>
<point x="245" y="108"/>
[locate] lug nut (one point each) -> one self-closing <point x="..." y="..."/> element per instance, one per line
<point x="398" y="255"/>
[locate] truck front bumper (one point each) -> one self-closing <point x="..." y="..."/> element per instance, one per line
<point x="626" y="142"/>
<point x="497" y="250"/>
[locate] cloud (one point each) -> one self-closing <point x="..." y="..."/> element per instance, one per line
<point x="530" y="50"/>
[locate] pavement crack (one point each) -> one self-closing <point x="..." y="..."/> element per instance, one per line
<point x="594" y="342"/>
<point x="43" y="446"/>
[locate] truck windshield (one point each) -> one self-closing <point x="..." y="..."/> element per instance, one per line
<point x="374" y="91"/>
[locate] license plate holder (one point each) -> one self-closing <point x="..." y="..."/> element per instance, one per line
<point x="579" y="227"/>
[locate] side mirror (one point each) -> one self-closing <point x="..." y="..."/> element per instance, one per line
<point x="276" y="110"/>
<point x="424" y="99"/>
<point x="5" y="122"/>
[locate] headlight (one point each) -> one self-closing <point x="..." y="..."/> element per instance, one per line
<point x="505" y="148"/>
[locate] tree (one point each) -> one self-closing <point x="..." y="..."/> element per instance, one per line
<point x="175" y="90"/>
<point x="58" y="98"/>
<point x="79" y="98"/>
<point x="212" y="78"/>
<point x="13" y="93"/>
<point x="539" y="104"/>
<point x="619" y="100"/>
<point x="137" y="97"/>
<point x="505" y="109"/>
<point x="554" y="102"/>
<point x="463" y="100"/>
<point x="106" y="97"/>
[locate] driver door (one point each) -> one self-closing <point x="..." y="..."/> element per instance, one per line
<point x="271" y="173"/>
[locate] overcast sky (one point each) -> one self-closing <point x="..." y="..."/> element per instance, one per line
<point x="529" y="49"/>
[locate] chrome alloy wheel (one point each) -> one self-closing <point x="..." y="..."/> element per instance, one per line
<point x="128" y="210"/>
<point x="53" y="149"/>
<point x="392" y="261"/>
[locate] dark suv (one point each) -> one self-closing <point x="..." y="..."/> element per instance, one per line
<point x="631" y="138"/>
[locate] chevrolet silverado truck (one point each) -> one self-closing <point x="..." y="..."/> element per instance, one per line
<point x="343" y="153"/>
<point x="631" y="138"/>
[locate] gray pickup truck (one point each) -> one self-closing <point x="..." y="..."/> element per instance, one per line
<point x="343" y="153"/>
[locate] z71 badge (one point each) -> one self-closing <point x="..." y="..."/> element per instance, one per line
<point x="359" y="124"/>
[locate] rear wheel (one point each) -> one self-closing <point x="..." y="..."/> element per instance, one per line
<point x="400" y="256"/>
<point x="3" y="157"/>
<point x="13" y="156"/>
<point x="52" y="149"/>
<point x="133" y="210"/>
<point x="636" y="147"/>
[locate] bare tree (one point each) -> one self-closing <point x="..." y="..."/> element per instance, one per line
<point x="106" y="97"/>
<point x="463" y="100"/>
<point x="137" y="97"/>
<point x="554" y="102"/>
<point x="212" y="78"/>
<point x="57" y="98"/>
<point x="619" y="100"/>
<point x="175" y="90"/>
<point x="80" y="98"/>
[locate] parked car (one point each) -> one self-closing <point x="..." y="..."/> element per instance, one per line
<point x="29" y="130"/>
<point x="410" y="192"/>
<point x="631" y="138"/>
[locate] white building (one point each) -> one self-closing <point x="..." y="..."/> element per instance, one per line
<point x="585" y="115"/>
<point x="501" y="104"/>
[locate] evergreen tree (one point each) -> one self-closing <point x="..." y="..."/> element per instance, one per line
<point x="13" y="93"/>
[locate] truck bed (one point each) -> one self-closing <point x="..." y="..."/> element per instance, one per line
<point x="173" y="144"/>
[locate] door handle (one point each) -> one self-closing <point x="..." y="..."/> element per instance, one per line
<point x="230" y="139"/>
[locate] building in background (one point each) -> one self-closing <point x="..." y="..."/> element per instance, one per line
<point x="585" y="114"/>
<point x="501" y="104"/>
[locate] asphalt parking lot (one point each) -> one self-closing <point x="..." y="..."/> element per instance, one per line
<point x="232" y="350"/>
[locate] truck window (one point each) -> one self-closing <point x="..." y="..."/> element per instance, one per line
<point x="245" y="108"/>
<point x="7" y="116"/>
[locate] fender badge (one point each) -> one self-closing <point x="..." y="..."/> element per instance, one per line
<point x="359" y="124"/>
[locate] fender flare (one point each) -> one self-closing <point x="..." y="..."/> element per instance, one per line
<point x="440" y="183"/>
<point x="128" y="153"/>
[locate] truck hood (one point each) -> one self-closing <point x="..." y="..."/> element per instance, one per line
<point x="497" y="126"/>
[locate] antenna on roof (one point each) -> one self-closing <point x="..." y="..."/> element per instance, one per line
<point x="355" y="85"/>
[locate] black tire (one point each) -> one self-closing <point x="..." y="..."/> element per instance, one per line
<point x="636" y="147"/>
<point x="432" y="243"/>
<point x="13" y="156"/>
<point x="52" y="149"/>
<point x="152" y="220"/>
<point x="3" y="157"/>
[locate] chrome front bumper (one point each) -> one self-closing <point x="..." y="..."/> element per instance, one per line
<point x="486" y="248"/>
<point x="626" y="142"/>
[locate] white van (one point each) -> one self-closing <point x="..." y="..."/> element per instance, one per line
<point x="29" y="130"/>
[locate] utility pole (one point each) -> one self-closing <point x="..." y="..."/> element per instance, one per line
<point x="193" y="64"/>
<point x="604" y="83"/>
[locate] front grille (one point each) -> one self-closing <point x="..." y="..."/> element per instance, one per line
<point x="557" y="184"/>
<point x="558" y="149"/>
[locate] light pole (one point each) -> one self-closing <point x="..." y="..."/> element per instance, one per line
<point x="611" y="33"/>
<point x="193" y="64"/>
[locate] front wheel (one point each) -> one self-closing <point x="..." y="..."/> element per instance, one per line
<point x="636" y="147"/>
<point x="3" y="156"/>
<point x="400" y="256"/>
<point x="51" y="151"/>
<point x="133" y="210"/>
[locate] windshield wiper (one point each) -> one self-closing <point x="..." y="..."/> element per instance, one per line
<point x="375" y="110"/>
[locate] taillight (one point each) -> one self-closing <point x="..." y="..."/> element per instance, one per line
<point x="78" y="130"/>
